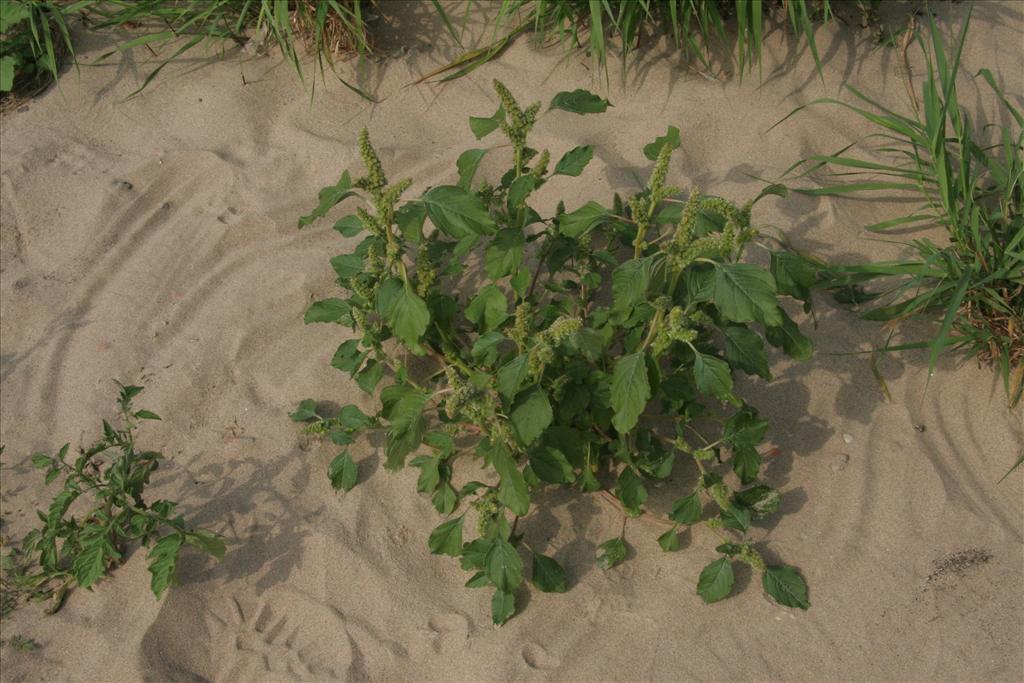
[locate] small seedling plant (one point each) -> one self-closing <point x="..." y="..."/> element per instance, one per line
<point x="110" y="477"/>
<point x="591" y="349"/>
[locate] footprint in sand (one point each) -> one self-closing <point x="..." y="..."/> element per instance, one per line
<point x="450" y="632"/>
<point x="536" y="657"/>
<point x="275" y="636"/>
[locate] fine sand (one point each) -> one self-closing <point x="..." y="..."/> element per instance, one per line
<point x="153" y="240"/>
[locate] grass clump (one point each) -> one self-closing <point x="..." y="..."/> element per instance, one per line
<point x="594" y="350"/>
<point x="34" y="37"/>
<point x="970" y="179"/>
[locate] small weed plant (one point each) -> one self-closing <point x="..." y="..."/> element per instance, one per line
<point x="970" y="180"/>
<point x="591" y="349"/>
<point x="110" y="477"/>
<point x="33" y="36"/>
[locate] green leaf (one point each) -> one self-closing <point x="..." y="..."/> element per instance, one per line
<point x="531" y="416"/>
<point x="745" y="292"/>
<point x="407" y="315"/>
<point x="579" y="102"/>
<point x="669" y="541"/>
<point x="41" y="461"/>
<point x="91" y="561"/>
<point x="446" y="538"/>
<point x="519" y="190"/>
<point x="512" y="491"/>
<point x="350" y="417"/>
<point x="483" y="126"/>
<point x="349" y="226"/>
<point x="370" y="376"/>
<point x="210" y="543"/>
<point x="488" y="309"/>
<point x="328" y="311"/>
<point x="348" y="357"/>
<point x="785" y="586"/>
<point x="163" y="558"/>
<point x="329" y="196"/>
<point x="445" y="499"/>
<point x="630" y="391"/>
<point x="686" y="510"/>
<point x="788" y="337"/>
<point x="457" y="212"/>
<point x="794" y="275"/>
<point x="630" y="490"/>
<point x="305" y="411"/>
<point x="576" y="223"/>
<point x="503" y="606"/>
<point x="146" y="415"/>
<point x="551" y="465"/>
<point x="574" y="161"/>
<point x="762" y="500"/>
<point x="504" y="254"/>
<point x="611" y="553"/>
<point x="347" y="265"/>
<point x="512" y="375"/>
<point x="343" y="472"/>
<point x="467" y="164"/>
<point x="712" y="375"/>
<point x="744" y="349"/>
<point x="716" y="580"/>
<point x="652" y="150"/>
<point x="736" y="518"/>
<point x="746" y="463"/>
<point x="403" y="408"/>
<point x="409" y="218"/>
<point x="548" y="576"/>
<point x="629" y="285"/>
<point x="745" y="428"/>
<point x="503" y="565"/>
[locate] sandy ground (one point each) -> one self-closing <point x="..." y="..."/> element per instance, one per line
<point x="153" y="240"/>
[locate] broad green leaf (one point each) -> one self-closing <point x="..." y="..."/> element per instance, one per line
<point x="686" y="510"/>
<point x="41" y="461"/>
<point x="712" y="375"/>
<point x="488" y="309"/>
<point x="788" y="337"/>
<point x="630" y="391"/>
<point x="574" y="161"/>
<point x="163" y="558"/>
<point x="580" y="102"/>
<point x="348" y="357"/>
<point x="746" y="463"/>
<point x="467" y="164"/>
<point x="446" y="539"/>
<point x="669" y="541"/>
<point x="630" y="490"/>
<point x="745" y="349"/>
<point x="445" y="499"/>
<point x="548" y="575"/>
<point x="483" y="126"/>
<point x="370" y="376"/>
<point x="576" y="223"/>
<point x="210" y="543"/>
<point x="785" y="586"/>
<point x="503" y="606"/>
<point x="409" y="218"/>
<point x="347" y="265"/>
<point x="551" y="465"/>
<point x="745" y="428"/>
<point x="503" y="565"/>
<point x="504" y="254"/>
<point x="305" y="411"/>
<point x="329" y="196"/>
<point x="485" y="348"/>
<point x="611" y="553"/>
<point x="408" y="317"/>
<point x="671" y="138"/>
<point x="716" y="580"/>
<point x="349" y="226"/>
<point x="518" y="192"/>
<point x="146" y="415"/>
<point x="762" y="500"/>
<point x="328" y="311"/>
<point x="512" y="491"/>
<point x="343" y="472"/>
<point x="736" y="518"/>
<point x="91" y="561"/>
<point x="629" y="285"/>
<point x="531" y="415"/>
<point x="350" y="417"/>
<point x="457" y="212"/>
<point x="512" y="375"/>
<point x="794" y="275"/>
<point x="745" y="292"/>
